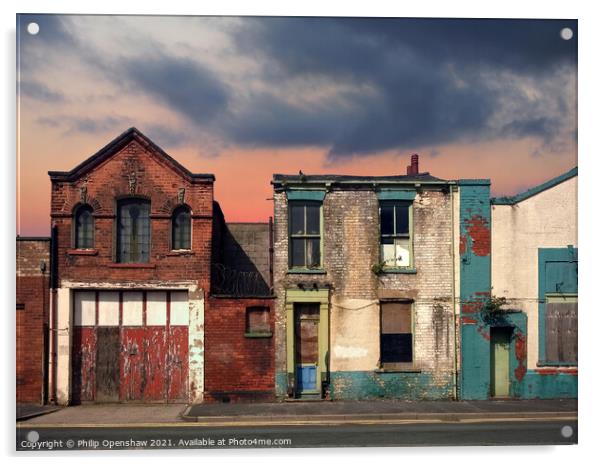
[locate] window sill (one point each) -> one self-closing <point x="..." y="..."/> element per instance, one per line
<point x="132" y="265"/>
<point x="398" y="370"/>
<point x="82" y="252"/>
<point x="175" y="253"/>
<point x="399" y="271"/>
<point x="258" y="335"/>
<point x="556" y="364"/>
<point x="306" y="271"/>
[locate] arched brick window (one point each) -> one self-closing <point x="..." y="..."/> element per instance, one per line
<point x="180" y="228"/>
<point x="84" y="227"/>
<point x="133" y="230"/>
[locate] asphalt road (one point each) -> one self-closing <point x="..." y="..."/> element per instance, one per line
<point x="198" y="437"/>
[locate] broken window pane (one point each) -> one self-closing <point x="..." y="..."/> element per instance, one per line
<point x="402" y="252"/>
<point x="402" y="219"/>
<point x="388" y="251"/>
<point x="386" y="219"/>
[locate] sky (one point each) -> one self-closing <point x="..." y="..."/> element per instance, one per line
<point x="246" y="97"/>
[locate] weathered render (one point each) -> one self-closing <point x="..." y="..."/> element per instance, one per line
<point x="350" y="286"/>
<point x="534" y="259"/>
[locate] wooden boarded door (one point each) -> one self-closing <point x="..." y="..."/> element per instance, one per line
<point x="130" y="346"/>
<point x="107" y="366"/>
<point x="500" y="362"/>
<point x="307" y="324"/>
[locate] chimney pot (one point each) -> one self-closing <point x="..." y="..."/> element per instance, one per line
<point x="413" y="167"/>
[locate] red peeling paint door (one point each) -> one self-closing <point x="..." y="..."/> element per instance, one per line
<point x="130" y="346"/>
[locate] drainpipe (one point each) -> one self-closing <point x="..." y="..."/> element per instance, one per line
<point x="53" y="315"/>
<point x="453" y="252"/>
<point x="271" y="253"/>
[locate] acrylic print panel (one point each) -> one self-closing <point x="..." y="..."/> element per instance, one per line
<point x="177" y="174"/>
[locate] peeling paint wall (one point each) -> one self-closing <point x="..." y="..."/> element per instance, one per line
<point x="475" y="285"/>
<point x="351" y="246"/>
<point x="176" y="376"/>
<point x="546" y="220"/>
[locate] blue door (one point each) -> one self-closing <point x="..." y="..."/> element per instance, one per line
<point x="306" y="378"/>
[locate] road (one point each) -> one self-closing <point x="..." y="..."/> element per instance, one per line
<point x="190" y="435"/>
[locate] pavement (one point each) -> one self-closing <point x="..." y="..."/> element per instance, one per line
<point x="26" y="411"/>
<point x="379" y="411"/>
<point x="305" y="413"/>
<point x="112" y="414"/>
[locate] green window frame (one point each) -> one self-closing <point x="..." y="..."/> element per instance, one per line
<point x="396" y="234"/>
<point x="305" y="235"/>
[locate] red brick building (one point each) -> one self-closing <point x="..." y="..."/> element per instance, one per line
<point x="33" y="283"/>
<point x="135" y="236"/>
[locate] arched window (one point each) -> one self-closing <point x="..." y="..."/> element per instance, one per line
<point x="133" y="230"/>
<point x="180" y="228"/>
<point x="84" y="228"/>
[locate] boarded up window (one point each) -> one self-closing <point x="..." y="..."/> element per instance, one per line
<point x="258" y="320"/>
<point x="561" y="329"/>
<point x="396" y="338"/>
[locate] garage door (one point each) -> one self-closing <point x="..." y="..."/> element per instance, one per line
<point x="130" y="346"/>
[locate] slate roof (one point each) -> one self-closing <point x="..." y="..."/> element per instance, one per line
<point x="339" y="178"/>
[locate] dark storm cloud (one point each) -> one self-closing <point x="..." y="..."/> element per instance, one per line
<point x="186" y="86"/>
<point x="39" y="91"/>
<point x="427" y="76"/>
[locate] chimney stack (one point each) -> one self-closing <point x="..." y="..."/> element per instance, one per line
<point x="413" y="167"/>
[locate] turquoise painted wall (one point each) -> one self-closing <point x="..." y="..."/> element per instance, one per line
<point x="549" y="386"/>
<point x="475" y="287"/>
<point x="281" y="384"/>
<point x="363" y="385"/>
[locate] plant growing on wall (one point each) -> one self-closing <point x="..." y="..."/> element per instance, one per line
<point x="378" y="268"/>
<point x="492" y="310"/>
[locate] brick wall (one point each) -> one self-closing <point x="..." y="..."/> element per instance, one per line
<point x="31" y="318"/>
<point x="155" y="179"/>
<point x="351" y="247"/>
<point x="236" y="367"/>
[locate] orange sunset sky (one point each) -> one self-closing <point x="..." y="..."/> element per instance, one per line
<point x="244" y="98"/>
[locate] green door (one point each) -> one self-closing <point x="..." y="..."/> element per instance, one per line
<point x="500" y="362"/>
